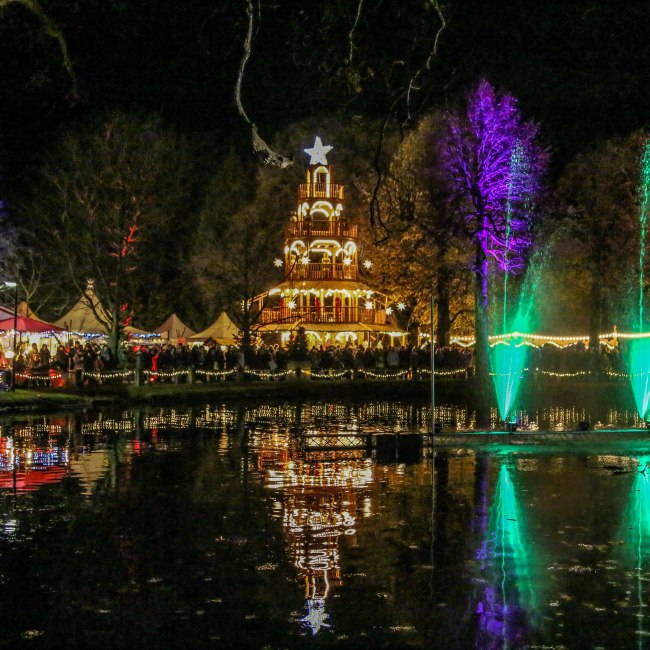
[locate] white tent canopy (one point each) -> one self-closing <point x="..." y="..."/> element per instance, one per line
<point x="174" y="328"/>
<point x="25" y="310"/>
<point x="82" y="319"/>
<point x="223" y="330"/>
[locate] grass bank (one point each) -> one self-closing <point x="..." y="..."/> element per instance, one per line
<point x="538" y="394"/>
<point x="35" y="401"/>
<point x="285" y="390"/>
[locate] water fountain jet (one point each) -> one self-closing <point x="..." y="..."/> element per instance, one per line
<point x="508" y="356"/>
<point x="638" y="354"/>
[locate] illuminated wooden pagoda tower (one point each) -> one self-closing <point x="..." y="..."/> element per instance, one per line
<point x="322" y="291"/>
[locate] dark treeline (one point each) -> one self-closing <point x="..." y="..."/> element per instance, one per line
<point x="196" y="226"/>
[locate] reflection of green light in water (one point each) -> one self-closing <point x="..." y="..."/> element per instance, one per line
<point x="507" y="603"/>
<point x="635" y="534"/>
<point x="638" y="363"/>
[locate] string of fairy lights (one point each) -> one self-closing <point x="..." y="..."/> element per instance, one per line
<point x="272" y="375"/>
<point x="105" y="375"/>
<point x="383" y="375"/>
<point x="538" y="340"/>
<point x="39" y="378"/>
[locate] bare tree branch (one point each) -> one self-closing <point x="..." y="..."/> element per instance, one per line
<point x="405" y="95"/>
<point x="52" y="30"/>
<point x="351" y="33"/>
<point x="260" y="147"/>
<point x="414" y="81"/>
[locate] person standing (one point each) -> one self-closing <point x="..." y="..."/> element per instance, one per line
<point x="45" y="358"/>
<point x="78" y="365"/>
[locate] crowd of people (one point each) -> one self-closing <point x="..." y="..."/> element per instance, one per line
<point x="212" y="356"/>
<point x="88" y="359"/>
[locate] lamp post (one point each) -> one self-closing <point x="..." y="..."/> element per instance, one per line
<point x="14" y="286"/>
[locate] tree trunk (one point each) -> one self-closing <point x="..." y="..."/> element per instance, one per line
<point x="481" y="347"/>
<point x="595" y="307"/>
<point x="444" y="319"/>
<point x="114" y="341"/>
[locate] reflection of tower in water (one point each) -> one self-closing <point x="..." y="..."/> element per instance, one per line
<point x="314" y="521"/>
<point x="319" y="507"/>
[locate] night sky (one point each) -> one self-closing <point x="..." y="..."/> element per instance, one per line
<point x="580" y="68"/>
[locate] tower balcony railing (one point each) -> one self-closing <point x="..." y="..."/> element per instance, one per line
<point x="328" y="314"/>
<point x="321" y="228"/>
<point x="319" y="271"/>
<point x="320" y="191"/>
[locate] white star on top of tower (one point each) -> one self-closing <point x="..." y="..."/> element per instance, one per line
<point x="318" y="152"/>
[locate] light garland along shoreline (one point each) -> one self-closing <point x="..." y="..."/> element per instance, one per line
<point x="200" y="376"/>
<point x="41" y="380"/>
<point x="383" y="375"/>
<point x="108" y="374"/>
<point x="222" y="374"/>
<point x="164" y="374"/>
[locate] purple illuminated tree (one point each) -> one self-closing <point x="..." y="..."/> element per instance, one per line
<point x="491" y="167"/>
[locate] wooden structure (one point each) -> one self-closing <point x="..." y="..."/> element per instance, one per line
<point x="322" y="291"/>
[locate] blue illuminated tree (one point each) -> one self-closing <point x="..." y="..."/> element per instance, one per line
<point x="491" y="167"/>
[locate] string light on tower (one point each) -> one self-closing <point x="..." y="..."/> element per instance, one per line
<point x="389" y="310"/>
<point x="401" y="306"/>
<point x="367" y="264"/>
<point x="347" y="261"/>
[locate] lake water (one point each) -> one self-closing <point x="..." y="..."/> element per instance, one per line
<point x="224" y="526"/>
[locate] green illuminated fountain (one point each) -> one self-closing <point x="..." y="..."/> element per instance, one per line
<point x="509" y="355"/>
<point x="638" y="356"/>
<point x="508" y="361"/>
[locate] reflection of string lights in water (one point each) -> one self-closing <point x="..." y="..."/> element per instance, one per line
<point x="624" y="418"/>
<point x="374" y="417"/>
<point x="274" y="414"/>
<point x="326" y="475"/>
<point x="215" y="418"/>
<point x="26" y="466"/>
<point x="331" y="418"/>
<point x="316" y="615"/>
<point x="318" y="506"/>
<point x="171" y="420"/>
<point x="207" y="418"/>
<point x="322" y="522"/>
<point x="28" y="431"/>
<point x="125" y="425"/>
